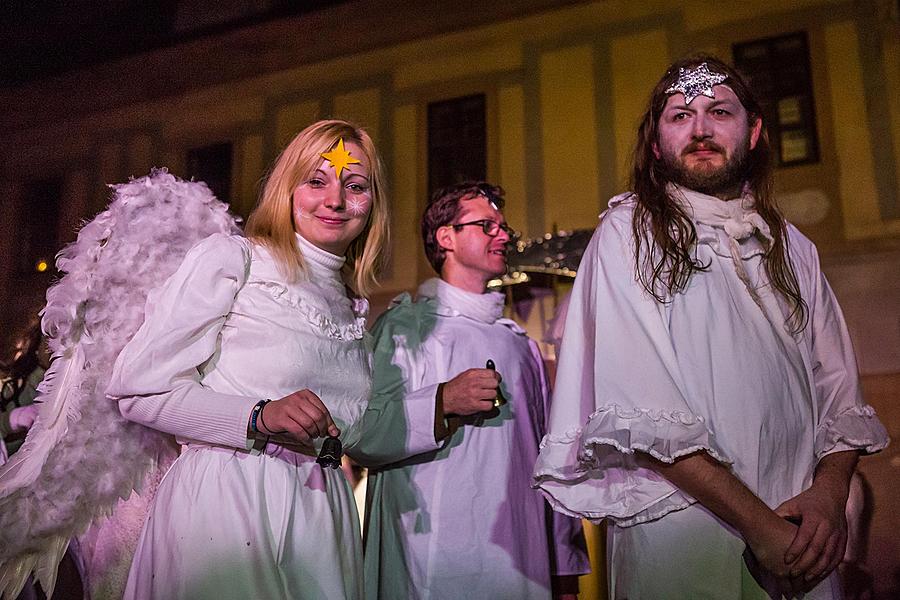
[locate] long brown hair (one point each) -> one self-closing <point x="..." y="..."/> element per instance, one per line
<point x="663" y="232"/>
<point x="272" y="222"/>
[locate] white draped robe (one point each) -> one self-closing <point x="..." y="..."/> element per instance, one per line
<point x="461" y="519"/>
<point x="713" y="370"/>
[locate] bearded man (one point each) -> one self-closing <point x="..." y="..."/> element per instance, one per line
<point x="707" y="401"/>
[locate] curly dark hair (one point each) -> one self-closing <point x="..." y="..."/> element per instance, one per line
<point x="444" y="208"/>
<point x="663" y="232"/>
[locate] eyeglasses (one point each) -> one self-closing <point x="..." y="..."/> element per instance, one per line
<point x="489" y="227"/>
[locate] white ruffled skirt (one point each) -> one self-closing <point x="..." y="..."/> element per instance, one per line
<point x="227" y="524"/>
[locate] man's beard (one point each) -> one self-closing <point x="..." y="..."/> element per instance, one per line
<point x="713" y="181"/>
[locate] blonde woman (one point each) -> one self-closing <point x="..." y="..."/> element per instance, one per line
<point x="249" y="353"/>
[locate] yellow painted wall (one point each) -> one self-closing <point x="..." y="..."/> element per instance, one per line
<point x="453" y="61"/>
<point x="568" y="124"/>
<point x="291" y="118"/>
<point x="858" y="192"/>
<point x="512" y="157"/>
<point x="550" y="145"/>
<point x="405" y="213"/>
<point x="362" y="107"/>
<point x="637" y="62"/>
<point x="540" y="74"/>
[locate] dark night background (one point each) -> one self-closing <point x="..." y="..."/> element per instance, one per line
<point x="42" y="39"/>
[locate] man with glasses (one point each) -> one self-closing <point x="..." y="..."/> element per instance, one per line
<point x="461" y="519"/>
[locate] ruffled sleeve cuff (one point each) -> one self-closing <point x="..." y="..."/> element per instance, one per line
<point x="856" y="428"/>
<point x="591" y="472"/>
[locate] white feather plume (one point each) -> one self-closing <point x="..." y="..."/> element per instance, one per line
<point x="81" y="457"/>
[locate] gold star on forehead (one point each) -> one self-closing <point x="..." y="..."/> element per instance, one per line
<point x="694" y="82"/>
<point x="339" y="158"/>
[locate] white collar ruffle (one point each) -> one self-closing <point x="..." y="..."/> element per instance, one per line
<point x="320" y="296"/>
<point x="487" y="307"/>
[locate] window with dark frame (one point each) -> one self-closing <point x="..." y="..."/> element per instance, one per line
<point x="457" y="141"/>
<point x="212" y="165"/>
<point x="778" y="69"/>
<point x="38" y="238"/>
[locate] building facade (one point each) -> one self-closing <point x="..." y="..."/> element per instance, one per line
<point x="542" y="96"/>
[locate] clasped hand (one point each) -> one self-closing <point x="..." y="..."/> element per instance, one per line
<point x="801" y="555"/>
<point x="821" y="538"/>
<point x="299" y="417"/>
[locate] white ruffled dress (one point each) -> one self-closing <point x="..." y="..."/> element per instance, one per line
<point x="715" y="369"/>
<point x="225" y="331"/>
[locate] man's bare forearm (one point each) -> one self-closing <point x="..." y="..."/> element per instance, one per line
<point x="835" y="470"/>
<point x="719" y="490"/>
<point x="716" y="488"/>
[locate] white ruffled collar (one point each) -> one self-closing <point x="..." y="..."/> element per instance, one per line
<point x="322" y="306"/>
<point x="487" y="307"/>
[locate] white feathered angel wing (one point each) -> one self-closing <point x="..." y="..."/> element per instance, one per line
<point x="81" y="457"/>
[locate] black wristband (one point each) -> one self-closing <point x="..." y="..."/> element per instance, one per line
<point x="254" y="417"/>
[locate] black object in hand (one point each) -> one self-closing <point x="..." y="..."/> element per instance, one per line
<point x="499" y="400"/>
<point x="331" y="452"/>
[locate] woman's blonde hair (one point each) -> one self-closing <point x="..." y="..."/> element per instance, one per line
<point x="272" y="222"/>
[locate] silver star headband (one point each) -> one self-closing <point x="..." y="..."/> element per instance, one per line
<point x="694" y="82"/>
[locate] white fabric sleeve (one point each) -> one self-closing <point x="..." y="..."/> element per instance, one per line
<point x="618" y="390"/>
<point x="156" y="377"/>
<point x="844" y="420"/>
<point x="399" y="420"/>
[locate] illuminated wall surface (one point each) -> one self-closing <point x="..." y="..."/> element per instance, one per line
<point x="565" y="85"/>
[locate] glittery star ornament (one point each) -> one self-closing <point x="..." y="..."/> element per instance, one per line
<point x="339" y="158"/>
<point x="694" y="82"/>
